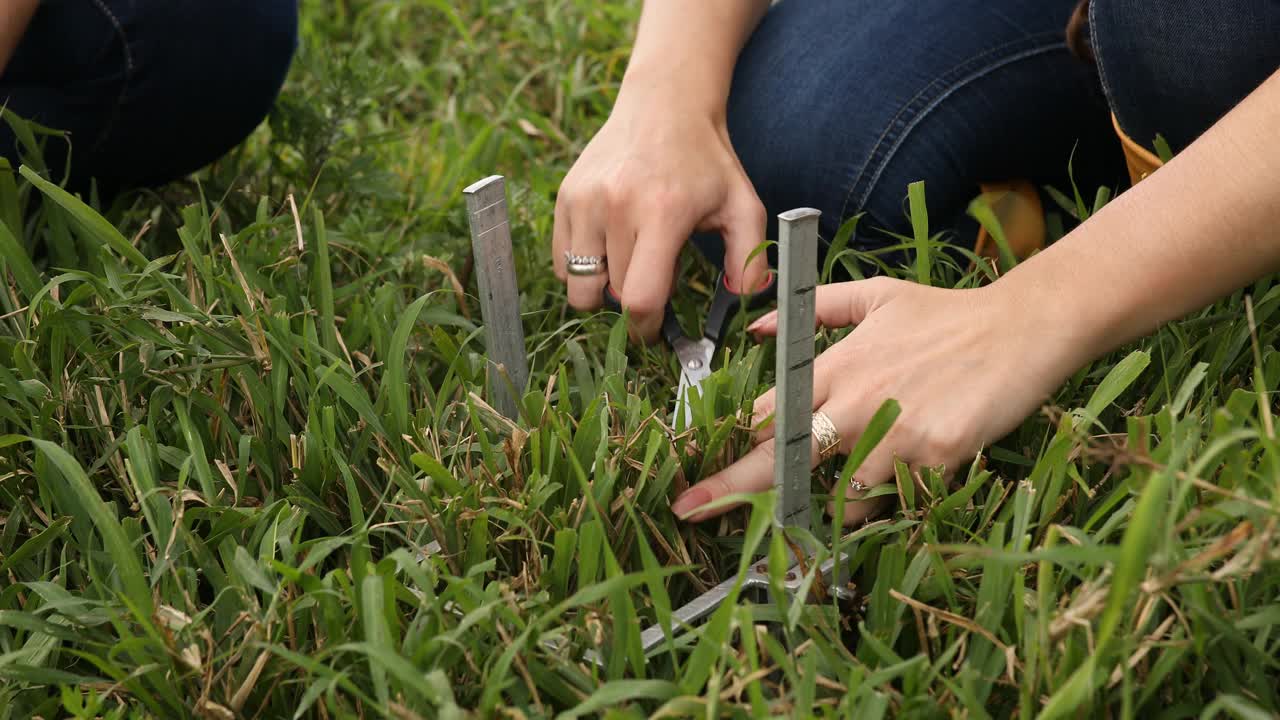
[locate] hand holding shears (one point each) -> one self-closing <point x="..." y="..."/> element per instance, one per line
<point x="695" y="354"/>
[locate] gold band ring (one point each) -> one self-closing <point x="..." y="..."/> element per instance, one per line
<point x="824" y="431"/>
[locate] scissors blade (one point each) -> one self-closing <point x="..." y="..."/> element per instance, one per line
<point x="695" y="366"/>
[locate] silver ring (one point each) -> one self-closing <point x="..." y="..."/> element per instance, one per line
<point x="856" y="485"/>
<point x="585" y="264"/>
<point x="824" y="431"/>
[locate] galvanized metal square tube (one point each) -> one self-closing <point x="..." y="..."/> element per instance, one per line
<point x="499" y="295"/>
<point x="793" y="414"/>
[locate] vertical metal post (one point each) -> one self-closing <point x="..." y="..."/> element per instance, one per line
<point x="793" y="414"/>
<point x="499" y="296"/>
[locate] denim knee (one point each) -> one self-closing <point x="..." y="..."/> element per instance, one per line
<point x="208" y="72"/>
<point x="1174" y="67"/>
<point x="840" y="105"/>
<point x="149" y="89"/>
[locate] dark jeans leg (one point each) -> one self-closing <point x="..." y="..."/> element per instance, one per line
<point x="150" y="90"/>
<point x="1175" y="67"/>
<point x="840" y="104"/>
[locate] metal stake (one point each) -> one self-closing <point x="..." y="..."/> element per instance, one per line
<point x="797" y="281"/>
<point x="499" y="297"/>
<point x="793" y="442"/>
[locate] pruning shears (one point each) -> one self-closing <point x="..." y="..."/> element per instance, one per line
<point x="695" y="354"/>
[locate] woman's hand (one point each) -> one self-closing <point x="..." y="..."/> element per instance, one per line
<point x="966" y="366"/>
<point x="662" y="166"/>
<point x="659" y="169"/>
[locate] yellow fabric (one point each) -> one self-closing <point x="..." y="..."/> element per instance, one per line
<point x="1016" y="203"/>
<point x="1141" y="161"/>
<point x="1017" y="206"/>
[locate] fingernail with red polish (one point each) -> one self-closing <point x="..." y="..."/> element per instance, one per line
<point x="691" y="500"/>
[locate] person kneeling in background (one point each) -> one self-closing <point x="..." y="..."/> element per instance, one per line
<point x="147" y="90"/>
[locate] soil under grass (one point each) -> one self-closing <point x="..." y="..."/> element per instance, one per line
<point x="233" y="412"/>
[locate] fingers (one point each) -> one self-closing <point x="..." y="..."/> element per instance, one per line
<point x="857" y="513"/>
<point x="753" y="473"/>
<point x="824" y="369"/>
<point x="762" y="420"/>
<point x="618" y="232"/>
<point x="647" y="287"/>
<point x="765" y="326"/>
<point x="621" y="242"/>
<point x="837" y="305"/>
<point x="876" y="470"/>
<point x="587" y="238"/>
<point x="743" y="232"/>
<point x="560" y="235"/>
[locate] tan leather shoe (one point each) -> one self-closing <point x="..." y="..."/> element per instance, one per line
<point x="1017" y="206"/>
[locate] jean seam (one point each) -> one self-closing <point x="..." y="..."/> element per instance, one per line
<point x="109" y="125"/>
<point x="898" y="129"/>
<point x="1097" y="54"/>
<point x="1107" y="92"/>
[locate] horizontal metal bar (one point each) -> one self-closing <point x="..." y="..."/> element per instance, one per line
<point x="700" y="608"/>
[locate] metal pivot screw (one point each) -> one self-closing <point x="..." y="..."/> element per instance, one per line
<point x="694" y="363"/>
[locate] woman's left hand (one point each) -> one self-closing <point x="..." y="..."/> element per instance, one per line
<point x="966" y="366"/>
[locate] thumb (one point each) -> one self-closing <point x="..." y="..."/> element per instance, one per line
<point x="743" y="232"/>
<point x="838" y="305"/>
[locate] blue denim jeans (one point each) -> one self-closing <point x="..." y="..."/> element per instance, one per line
<point x="840" y="104"/>
<point x="149" y="90"/>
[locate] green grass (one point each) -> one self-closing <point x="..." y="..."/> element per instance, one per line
<point x="227" y="430"/>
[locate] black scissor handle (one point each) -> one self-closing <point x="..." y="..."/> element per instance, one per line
<point x="671" y="330"/>
<point x="725" y="302"/>
<point x="611" y="300"/>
